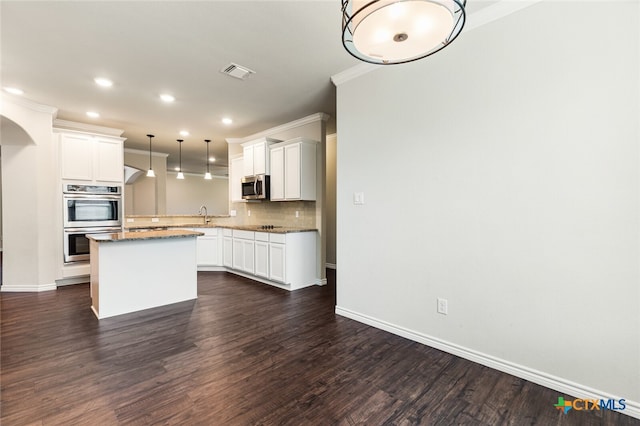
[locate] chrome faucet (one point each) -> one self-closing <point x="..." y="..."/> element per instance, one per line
<point x="206" y="214"/>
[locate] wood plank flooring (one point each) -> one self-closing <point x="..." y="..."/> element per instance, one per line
<point x="244" y="353"/>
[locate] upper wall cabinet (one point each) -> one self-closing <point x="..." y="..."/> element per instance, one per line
<point x="256" y="156"/>
<point x="235" y="179"/>
<point x="293" y="170"/>
<point x="91" y="158"/>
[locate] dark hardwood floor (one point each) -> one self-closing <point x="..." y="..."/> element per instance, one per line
<point x="244" y="353"/>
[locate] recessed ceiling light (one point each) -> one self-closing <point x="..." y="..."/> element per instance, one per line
<point x="184" y="133"/>
<point x="167" y="98"/>
<point x="104" y="82"/>
<point x="227" y="121"/>
<point x="14" y="90"/>
<point x="93" y="114"/>
<point x="212" y="159"/>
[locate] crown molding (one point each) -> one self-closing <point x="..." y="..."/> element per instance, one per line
<point x="84" y="127"/>
<point x="319" y="116"/>
<point x="476" y="20"/>
<point x="353" y="72"/>
<point x="142" y="152"/>
<point x="26" y="103"/>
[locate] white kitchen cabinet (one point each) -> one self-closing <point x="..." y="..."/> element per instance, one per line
<point x="292" y="259"/>
<point x="262" y="254"/>
<point x="108" y="160"/>
<point x="227" y="248"/>
<point x="277" y="256"/>
<point x="91" y="158"/>
<point x="243" y="251"/>
<point x="208" y="251"/>
<point x="235" y="179"/>
<point x="277" y="173"/>
<point x="256" y="156"/>
<point x="293" y="170"/>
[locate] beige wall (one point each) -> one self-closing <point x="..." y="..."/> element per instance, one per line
<point x="147" y="195"/>
<point x="523" y="146"/>
<point x="187" y="195"/>
<point x="31" y="197"/>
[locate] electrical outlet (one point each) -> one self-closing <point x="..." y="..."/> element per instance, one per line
<point x="155" y="220"/>
<point x="297" y="213"/>
<point x="443" y="306"/>
<point x="248" y="212"/>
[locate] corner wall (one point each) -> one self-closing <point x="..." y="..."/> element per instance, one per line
<point x="502" y="175"/>
<point x="29" y="196"/>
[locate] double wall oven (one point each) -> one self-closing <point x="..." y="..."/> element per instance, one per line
<point x="89" y="209"/>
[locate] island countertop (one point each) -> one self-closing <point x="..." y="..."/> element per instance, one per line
<point x="146" y="235"/>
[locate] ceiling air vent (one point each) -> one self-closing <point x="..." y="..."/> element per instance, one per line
<point x="237" y="71"/>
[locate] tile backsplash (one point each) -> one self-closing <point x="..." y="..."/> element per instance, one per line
<point x="280" y="213"/>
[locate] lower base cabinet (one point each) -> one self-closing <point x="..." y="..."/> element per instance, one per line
<point x="286" y="260"/>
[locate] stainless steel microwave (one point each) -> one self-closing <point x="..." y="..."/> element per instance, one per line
<point x="256" y="187"/>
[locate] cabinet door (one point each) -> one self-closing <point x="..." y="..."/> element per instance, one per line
<point x="207" y="249"/>
<point x="262" y="259"/>
<point x="249" y="263"/>
<point x="276" y="262"/>
<point x="292" y="171"/>
<point x="238" y="254"/>
<point x="227" y="252"/>
<point x="260" y="160"/>
<point x="277" y="173"/>
<point x="76" y="157"/>
<point x="247" y="154"/>
<point x="235" y="178"/>
<point x="109" y="163"/>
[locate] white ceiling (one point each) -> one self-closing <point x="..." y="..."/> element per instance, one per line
<point x="53" y="50"/>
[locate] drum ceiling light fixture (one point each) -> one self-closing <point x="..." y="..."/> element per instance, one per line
<point x="386" y="32"/>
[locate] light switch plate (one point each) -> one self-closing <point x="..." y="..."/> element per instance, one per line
<point x="358" y="198"/>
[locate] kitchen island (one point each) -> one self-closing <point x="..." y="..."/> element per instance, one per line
<point x="132" y="271"/>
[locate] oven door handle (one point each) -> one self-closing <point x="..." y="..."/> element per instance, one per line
<point x="92" y="197"/>
<point x="92" y="230"/>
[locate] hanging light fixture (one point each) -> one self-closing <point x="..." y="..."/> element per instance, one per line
<point x="207" y="175"/>
<point x="150" y="171"/>
<point x="386" y="32"/>
<point x="180" y="174"/>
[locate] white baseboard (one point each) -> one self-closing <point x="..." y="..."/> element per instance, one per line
<point x="559" y="384"/>
<point x="27" y="288"/>
<point x="330" y="265"/>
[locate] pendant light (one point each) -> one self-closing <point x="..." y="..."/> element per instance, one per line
<point x="150" y="171"/>
<point x="207" y="175"/>
<point x="180" y="174"/>
<point x="388" y="32"/>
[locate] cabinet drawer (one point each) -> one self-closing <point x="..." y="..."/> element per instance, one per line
<point x="277" y="238"/>
<point x="246" y="235"/>
<point x="262" y="236"/>
<point x="227" y="232"/>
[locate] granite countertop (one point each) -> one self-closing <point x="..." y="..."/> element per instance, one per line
<point x="255" y="228"/>
<point x="169" y="225"/>
<point x="275" y="230"/>
<point x="147" y="235"/>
